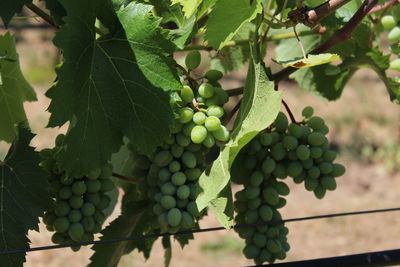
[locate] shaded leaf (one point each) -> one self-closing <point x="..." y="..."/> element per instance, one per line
<point x="8" y="8"/>
<point x="311" y="60"/>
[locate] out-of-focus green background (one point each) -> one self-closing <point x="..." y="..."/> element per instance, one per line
<point x="364" y="128"/>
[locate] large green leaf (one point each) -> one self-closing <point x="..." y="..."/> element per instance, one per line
<point x="227" y="17"/>
<point x="14" y="89"/>
<point x="24" y="197"/>
<point x="188" y="6"/>
<point x="9" y="7"/>
<point x="150" y="46"/>
<point x="260" y="106"/>
<point x="103" y="92"/>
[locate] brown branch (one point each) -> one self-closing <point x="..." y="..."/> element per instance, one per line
<point x="289" y="111"/>
<point x="338" y="37"/>
<point x="315" y="15"/>
<point x="233" y="112"/>
<point x="125" y="179"/>
<point x="388" y="4"/>
<point x="235" y="91"/>
<point x="46" y="17"/>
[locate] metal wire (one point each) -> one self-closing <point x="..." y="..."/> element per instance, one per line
<point x="139" y="237"/>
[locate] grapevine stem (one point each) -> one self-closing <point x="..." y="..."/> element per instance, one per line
<point x="38" y="11"/>
<point x="125" y="179"/>
<point x="315" y="15"/>
<point x="233" y="112"/>
<point x="235" y="91"/>
<point x="289" y="111"/>
<point x="338" y="37"/>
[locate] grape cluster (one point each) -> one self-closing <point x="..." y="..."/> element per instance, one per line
<point x="390" y="23"/>
<point x="172" y="172"/>
<point x="298" y="150"/>
<point x="77" y="213"/>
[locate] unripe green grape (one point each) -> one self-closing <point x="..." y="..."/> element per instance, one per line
<point x="254" y="203"/>
<point x="395" y="64"/>
<point x="291" y="155"/>
<point x="57" y="238"/>
<point x="61" y="224"/>
<point x="303" y="152"/>
<point x="176" y="150"/>
<point x="259" y="240"/>
<point x="74" y="216"/>
<point x="314" y="172"/>
<point x="394" y="34"/>
<point x="282" y="188"/>
<point x="174" y="217"/>
<point x="206" y="90"/>
<point x="268" y="165"/>
<point x="299" y="179"/>
<point x="107" y="185"/>
<point x="281" y="122"/>
<point x="256" y="178"/>
<point x="388" y="22"/>
<point x="193" y="174"/>
<point x="251" y="251"/>
<point x="183" y="192"/>
<point x="192" y="209"/>
<point x="319" y="192"/>
<point x="316" y="152"/>
<point x="186" y="115"/>
<point x="251" y="216"/>
<point x="187" y="221"/>
<point x="289" y="142"/>
<point x="221" y="134"/>
<point x="99" y="217"/>
<point x="62" y="208"/>
<point x="178" y="178"/>
<point x="187" y="128"/>
<point x="294" y="168"/>
<point x="271" y="196"/>
<point x="209" y="141"/>
<point x="93" y="186"/>
<point x="307" y="164"/>
<point x="94" y="174"/>
<point x="328" y="182"/>
<point x="212" y="123"/>
<point x="295" y="130"/>
<point x="307" y="112"/>
<point x="316" y="139"/>
<point x="182" y="203"/>
<point x="182" y="140"/>
<point x="273" y="232"/>
<point x="65" y="192"/>
<point x="174" y="166"/>
<point x="213" y="101"/>
<point x="325" y="167"/>
<point x="280" y="171"/>
<point x="278" y="152"/>
<point x="88" y="209"/>
<point x="265" y="213"/>
<point x="223" y="96"/>
<point x="189" y="159"/>
<point x="76" y="231"/>
<point x="76" y="202"/>
<point x="265" y="255"/>
<point x="252" y="192"/>
<point x="281" y="203"/>
<point x="168" y="189"/>
<point x="176" y="127"/>
<point x="213" y="75"/>
<point x="88" y="224"/>
<point x="216" y="111"/>
<point x="199" y="118"/>
<point x="274" y="246"/>
<point x="164" y="175"/>
<point x="254" y="147"/>
<point x="192" y="147"/>
<point x="338" y="170"/>
<point x="310" y="184"/>
<point x="168" y="202"/>
<point x="193" y="59"/>
<point x="93" y="198"/>
<point x="163" y="158"/>
<point x="266" y="139"/>
<point x="104" y="202"/>
<point x="198" y="134"/>
<point x="316" y="123"/>
<point x="78" y="188"/>
<point x="187" y="94"/>
<point x="49" y="218"/>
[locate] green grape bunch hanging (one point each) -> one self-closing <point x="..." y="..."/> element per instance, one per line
<point x="79" y="202"/>
<point x="172" y="171"/>
<point x="391" y="23"/>
<point x="297" y="150"/>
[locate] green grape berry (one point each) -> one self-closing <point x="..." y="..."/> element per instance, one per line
<point x="198" y="134"/>
<point x="174" y="217"/>
<point x="388" y="22"/>
<point x="307" y="112"/>
<point x="187" y="94"/>
<point x="178" y="178"/>
<point x="216" y="111"/>
<point x="193" y="59"/>
<point x="394" y="34"/>
<point x="206" y="90"/>
<point x="213" y="75"/>
<point x="186" y="115"/>
<point x="61" y="224"/>
<point x="281" y="122"/>
<point x="199" y="118"/>
<point x="189" y="159"/>
<point x="395" y="64"/>
<point x="212" y="123"/>
<point x="76" y="231"/>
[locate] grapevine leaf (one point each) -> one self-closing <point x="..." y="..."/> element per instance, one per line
<point x="166" y="242"/>
<point x="227" y="17"/>
<point x="9" y="7"/>
<point x="149" y="45"/>
<point x="24" y="197"/>
<point x="57" y="11"/>
<point x="132" y="221"/>
<point x="311" y="60"/>
<point x="103" y="92"/>
<point x="289" y="49"/>
<point x="188" y="6"/>
<point x="181" y="36"/>
<point x="326" y="80"/>
<point x="347" y="11"/>
<point x="169" y="12"/>
<point x="184" y="239"/>
<point x="260" y="106"/>
<point x="14" y="89"/>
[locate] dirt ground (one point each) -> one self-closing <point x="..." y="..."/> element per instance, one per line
<point x="363" y="187"/>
